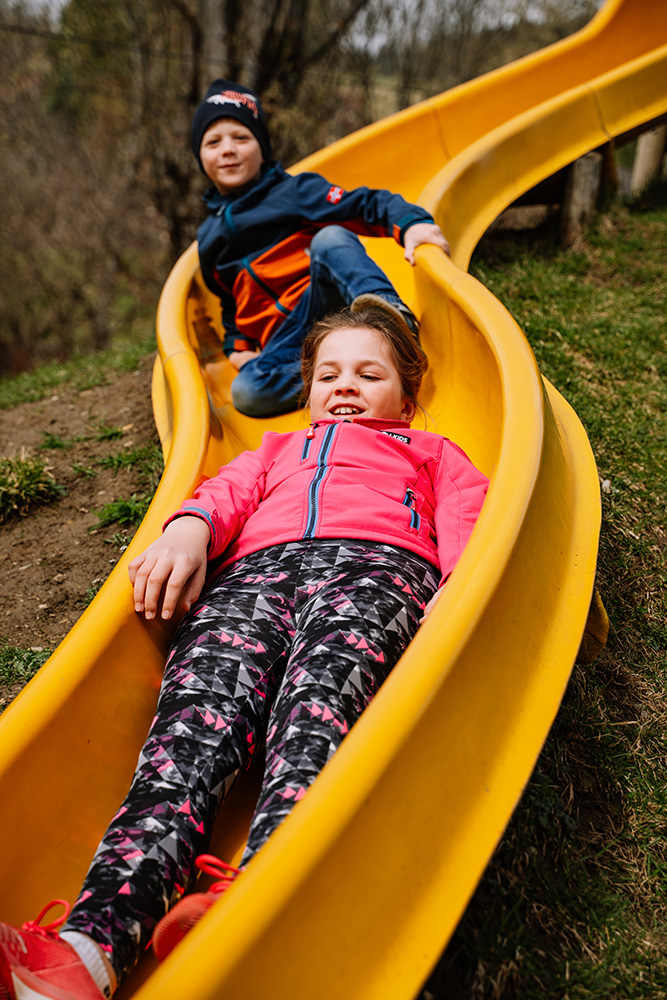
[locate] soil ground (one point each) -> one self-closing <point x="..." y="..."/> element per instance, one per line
<point x="54" y="558"/>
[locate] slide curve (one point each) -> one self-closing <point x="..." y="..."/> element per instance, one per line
<point x="359" y="890"/>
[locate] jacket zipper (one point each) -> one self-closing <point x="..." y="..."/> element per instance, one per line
<point x="263" y="285"/>
<point x="315" y="488"/>
<point x="409" y="500"/>
<point x="307" y="442"/>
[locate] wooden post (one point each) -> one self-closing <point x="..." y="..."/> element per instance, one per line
<point x="580" y="199"/>
<point x="609" y="178"/>
<point x="648" y="157"/>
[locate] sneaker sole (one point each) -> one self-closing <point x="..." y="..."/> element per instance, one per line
<point x="17" y="982"/>
<point x="371" y="301"/>
<point x="14" y="988"/>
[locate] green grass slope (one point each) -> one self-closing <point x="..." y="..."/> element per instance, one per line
<point x="574" y="903"/>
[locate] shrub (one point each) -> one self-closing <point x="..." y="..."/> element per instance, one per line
<point x="25" y="482"/>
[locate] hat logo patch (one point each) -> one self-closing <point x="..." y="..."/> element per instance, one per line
<point x="235" y="97"/>
<point x="335" y="194"/>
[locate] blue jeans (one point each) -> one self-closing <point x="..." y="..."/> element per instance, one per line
<point x="340" y="269"/>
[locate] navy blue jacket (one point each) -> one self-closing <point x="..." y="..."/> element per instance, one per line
<point x="252" y="247"/>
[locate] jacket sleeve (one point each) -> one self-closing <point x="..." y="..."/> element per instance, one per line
<point x="381" y="212"/>
<point x="460" y="490"/>
<point x="227" y="500"/>
<point x="233" y="340"/>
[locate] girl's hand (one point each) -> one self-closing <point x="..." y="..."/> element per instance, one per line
<point x="423" y="232"/>
<point x="175" y="562"/>
<point x="431" y="604"/>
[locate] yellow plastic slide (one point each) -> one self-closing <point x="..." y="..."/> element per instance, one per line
<point x="359" y="890"/>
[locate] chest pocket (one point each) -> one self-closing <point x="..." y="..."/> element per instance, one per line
<point x="409" y="501"/>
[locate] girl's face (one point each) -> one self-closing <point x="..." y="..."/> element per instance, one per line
<point x="355" y="376"/>
<point x="231" y="155"/>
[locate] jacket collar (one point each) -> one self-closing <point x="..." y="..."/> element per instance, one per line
<point x="270" y="173"/>
<point x="375" y="423"/>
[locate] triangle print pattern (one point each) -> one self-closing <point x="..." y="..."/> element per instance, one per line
<point x="282" y="653"/>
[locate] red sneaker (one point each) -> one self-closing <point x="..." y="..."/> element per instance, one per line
<point x="35" y="964"/>
<point x="175" y="925"/>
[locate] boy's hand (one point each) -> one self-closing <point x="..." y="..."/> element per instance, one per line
<point x="177" y="559"/>
<point x="423" y="232"/>
<point x="241" y="358"/>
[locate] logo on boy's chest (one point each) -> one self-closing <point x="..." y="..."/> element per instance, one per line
<point x="335" y="194"/>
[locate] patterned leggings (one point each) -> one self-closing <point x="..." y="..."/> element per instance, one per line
<point x="285" y="649"/>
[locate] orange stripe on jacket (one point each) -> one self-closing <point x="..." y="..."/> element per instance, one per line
<point x="277" y="277"/>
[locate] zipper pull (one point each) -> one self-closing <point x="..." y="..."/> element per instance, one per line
<point x="311" y="432"/>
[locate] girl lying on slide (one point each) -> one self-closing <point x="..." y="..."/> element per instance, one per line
<point x="322" y="551"/>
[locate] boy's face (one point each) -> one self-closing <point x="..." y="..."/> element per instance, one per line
<point x="231" y="155"/>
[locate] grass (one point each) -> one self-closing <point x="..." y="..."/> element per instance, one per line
<point x="53" y="442"/>
<point x="123" y="512"/>
<point x="25" y="482"/>
<point x="92" y="591"/>
<point x="574" y="903"/>
<point x="108" y="433"/>
<point x="19" y="665"/>
<point x="146" y="461"/>
<point x="83" y="372"/>
<point x="148" y="464"/>
<point x="86" y="471"/>
<point x="119" y="540"/>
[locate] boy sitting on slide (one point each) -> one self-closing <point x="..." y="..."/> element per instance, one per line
<point x="281" y="251"/>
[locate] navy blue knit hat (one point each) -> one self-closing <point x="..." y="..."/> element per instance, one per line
<point x="225" y="99"/>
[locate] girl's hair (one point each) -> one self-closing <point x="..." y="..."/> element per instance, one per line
<point x="409" y="359"/>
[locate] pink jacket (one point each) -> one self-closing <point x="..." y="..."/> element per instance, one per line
<point x="378" y="480"/>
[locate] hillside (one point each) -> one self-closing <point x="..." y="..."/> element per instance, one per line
<point x="55" y="557"/>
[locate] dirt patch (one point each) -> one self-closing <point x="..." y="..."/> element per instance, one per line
<point x="54" y="558"/>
